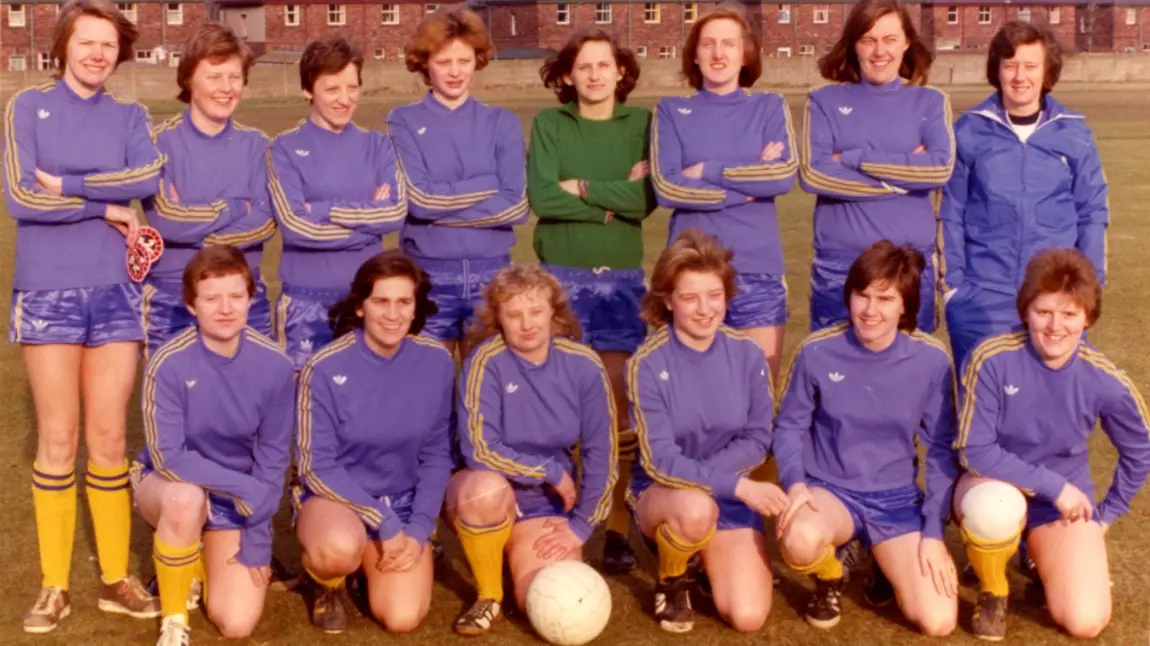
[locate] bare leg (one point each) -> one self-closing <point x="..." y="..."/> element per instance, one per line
<point x="1072" y="563"/>
<point x="935" y="614"/>
<point x="237" y="592"/>
<point x="399" y="600"/>
<point x="742" y="584"/>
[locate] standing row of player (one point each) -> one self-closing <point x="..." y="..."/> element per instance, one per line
<point x="451" y="176"/>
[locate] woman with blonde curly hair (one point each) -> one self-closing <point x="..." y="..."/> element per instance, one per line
<point x="530" y="392"/>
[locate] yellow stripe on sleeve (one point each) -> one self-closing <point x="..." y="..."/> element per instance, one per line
<point x="473" y="402"/>
<point x="823" y="181"/>
<point x="985" y="350"/>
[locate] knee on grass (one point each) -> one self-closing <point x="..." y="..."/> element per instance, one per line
<point x="399" y="617"/>
<point x="1083" y="620"/>
<point x="233" y="623"/>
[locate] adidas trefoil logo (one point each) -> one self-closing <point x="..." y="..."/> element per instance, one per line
<point x="39" y="324"/>
<point x="339" y="379"/>
<point x="43" y="114"/>
<point x="305" y="345"/>
<point x="684" y="110"/>
<point x="191" y="383"/>
<point x="665" y="376"/>
<point x="421" y="130"/>
<point x="1011" y="389"/>
<point x="511" y="388"/>
<point x="837" y="376"/>
<point x="846" y="110"/>
<point x="302" y="153"/>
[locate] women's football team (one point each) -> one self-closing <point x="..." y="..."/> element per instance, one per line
<point x="666" y="387"/>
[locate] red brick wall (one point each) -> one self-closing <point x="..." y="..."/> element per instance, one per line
<point x="1135" y="36"/>
<point x="363" y="26"/>
<point x="35" y="36"/>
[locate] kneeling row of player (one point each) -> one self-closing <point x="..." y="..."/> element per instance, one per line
<point x="375" y="461"/>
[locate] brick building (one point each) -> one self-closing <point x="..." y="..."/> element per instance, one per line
<point x="655" y="30"/>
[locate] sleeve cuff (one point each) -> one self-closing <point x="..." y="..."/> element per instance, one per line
<point x="95" y="210"/>
<point x="553" y="473"/>
<point x="1049" y="485"/>
<point x="852" y="159"/>
<point x="420" y="529"/>
<point x="713" y="172"/>
<point x="72" y="186"/>
<point x="724" y="485"/>
<point x="390" y="527"/>
<point x="255" y="546"/>
<point x="791" y="477"/>
<point x="933" y="527"/>
<point x="580" y="528"/>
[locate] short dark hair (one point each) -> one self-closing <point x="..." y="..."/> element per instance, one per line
<point x="752" y="67"/>
<point x="126" y="32"/>
<point x="455" y="22"/>
<point x="1006" y="43"/>
<point x="343" y="317"/>
<point x="328" y="55"/>
<point x="692" y="250"/>
<point x="901" y="267"/>
<point x="1064" y="271"/>
<point x="562" y="63"/>
<point x="841" y="64"/>
<point x="213" y="42"/>
<point x="214" y="261"/>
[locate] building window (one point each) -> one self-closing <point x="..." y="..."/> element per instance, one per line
<point x="336" y="15"/>
<point x="145" y="56"/>
<point x="666" y="52"/>
<point x="641" y="51"/>
<point x="174" y="13"/>
<point x="129" y="11"/>
<point x="43" y="61"/>
<point x="380" y="53"/>
<point x="652" y="12"/>
<point x="1024" y="14"/>
<point x="784" y="14"/>
<point x="690" y="11"/>
<point x="291" y="15"/>
<point x="1056" y="15"/>
<point x="389" y="14"/>
<point x="174" y="59"/>
<point x="1131" y="17"/>
<point x="984" y="15"/>
<point x="952" y="15"/>
<point x="806" y="50"/>
<point x="430" y="8"/>
<point x="16" y="17"/>
<point x="602" y="13"/>
<point x="783" y="52"/>
<point x="562" y="14"/>
<point x="514" y="27"/>
<point x="822" y="14"/>
<point x="17" y="63"/>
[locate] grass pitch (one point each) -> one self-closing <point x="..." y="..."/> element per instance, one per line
<point x="1122" y="128"/>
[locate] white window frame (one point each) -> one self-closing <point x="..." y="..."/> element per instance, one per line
<point x="562" y="14"/>
<point x="174" y="59"/>
<point x="666" y="52"/>
<point x="146" y="56"/>
<point x="17" y="16"/>
<point x="131" y="11"/>
<point x="176" y="16"/>
<point x="514" y="26"/>
<point x="1055" y="16"/>
<point x="652" y="13"/>
<point x="985" y="14"/>
<point x="1131" y="16"/>
<point x="430" y="8"/>
<point x="388" y="14"/>
<point x="340" y="13"/>
<point x="641" y="51"/>
<point x="783" y="52"/>
<point x="17" y="63"/>
<point x="822" y="14"/>
<point x="43" y="61"/>
<point x="784" y="14"/>
<point x="1024" y="14"/>
<point x="690" y="12"/>
<point x="806" y="50"/>
<point x="952" y="15"/>
<point x="380" y="53"/>
<point x="291" y="15"/>
<point x="603" y="13"/>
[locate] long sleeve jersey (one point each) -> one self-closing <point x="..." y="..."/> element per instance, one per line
<point x="735" y="198"/>
<point x="881" y="188"/>
<point x="1010" y="199"/>
<point x="1026" y="423"/>
<point x="703" y="419"/>
<point x="103" y="150"/>
<point x="222" y="184"/>
<point x="224" y="425"/>
<point x="370" y="426"/>
<point x="465" y="177"/>
<point x="574" y="231"/>
<point x="323" y="186"/>
<point x="523" y="421"/>
<point x="851" y="416"/>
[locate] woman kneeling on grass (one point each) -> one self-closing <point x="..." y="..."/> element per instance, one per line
<point x="374" y="448"/>
<point x="217" y="423"/>
<point x="528" y="395"/>
<point x="701" y="406"/>
<point x="855" y="399"/>
<point x="1030" y="402"/>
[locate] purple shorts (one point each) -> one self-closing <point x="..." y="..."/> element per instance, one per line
<point x="829" y="274"/>
<point x="400" y="503"/>
<point x="166" y="315"/>
<point x="89" y="316"/>
<point x="733" y="514"/>
<point x="878" y="516"/>
<point x="222" y="512"/>
<point x="301" y="320"/>
<point x="457" y="289"/>
<point x="760" y="301"/>
<point x="537" y="501"/>
<point x="606" y="302"/>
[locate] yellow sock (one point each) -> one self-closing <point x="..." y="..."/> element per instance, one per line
<point x="619" y="520"/>
<point x="332" y="582"/>
<point x="989" y="560"/>
<point x="827" y="567"/>
<point x="202" y="574"/>
<point x="110" y="503"/>
<point x="675" y="552"/>
<point x="175" y="569"/>
<point x="483" y="547"/>
<point x="54" y="500"/>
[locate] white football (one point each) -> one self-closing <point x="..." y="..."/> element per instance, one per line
<point x="993" y="510"/>
<point x="568" y="603"/>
